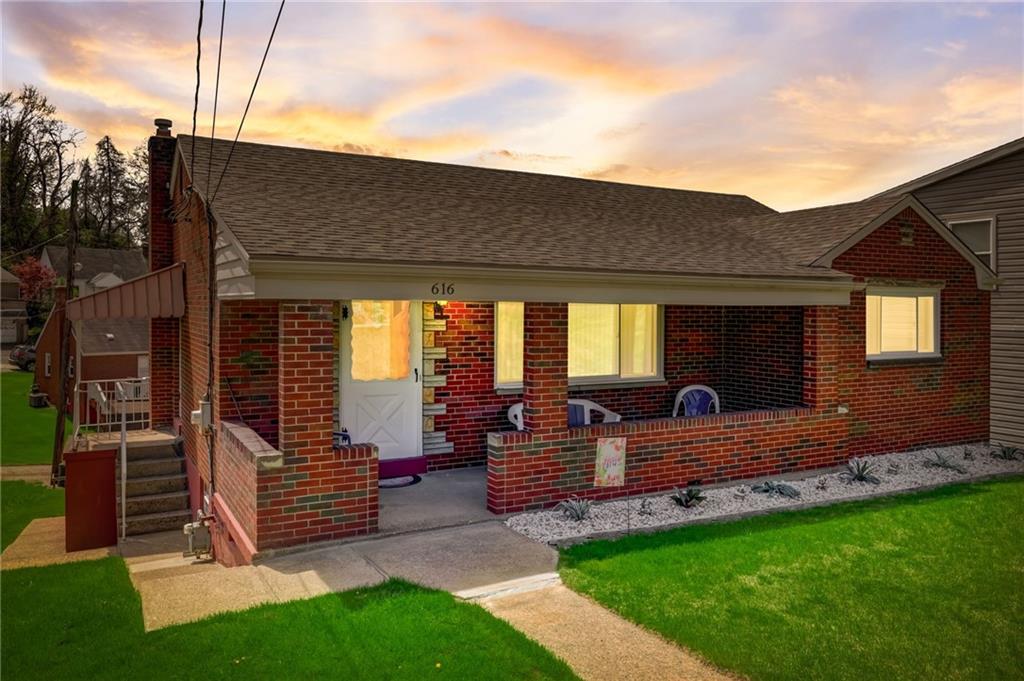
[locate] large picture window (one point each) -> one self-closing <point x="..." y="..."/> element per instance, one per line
<point x="902" y="323"/>
<point x="607" y="343"/>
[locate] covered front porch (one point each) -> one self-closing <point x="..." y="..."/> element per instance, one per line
<point x="416" y="387"/>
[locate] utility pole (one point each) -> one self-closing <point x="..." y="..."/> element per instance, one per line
<point x="65" y="339"/>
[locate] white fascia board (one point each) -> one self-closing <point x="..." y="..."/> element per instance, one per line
<point x="343" y="281"/>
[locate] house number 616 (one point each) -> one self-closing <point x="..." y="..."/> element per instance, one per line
<point x="442" y="288"/>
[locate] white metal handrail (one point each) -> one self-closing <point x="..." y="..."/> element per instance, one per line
<point x="122" y="395"/>
<point x="104" y="406"/>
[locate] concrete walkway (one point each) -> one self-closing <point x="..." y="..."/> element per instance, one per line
<point x="28" y="473"/>
<point x="176" y="590"/>
<point x="598" y="644"/>
<point x="42" y="543"/>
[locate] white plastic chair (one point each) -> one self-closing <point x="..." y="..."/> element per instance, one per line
<point x="681" y="395"/>
<point x="515" y="413"/>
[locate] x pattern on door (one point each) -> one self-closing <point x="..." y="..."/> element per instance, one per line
<point x="380" y="419"/>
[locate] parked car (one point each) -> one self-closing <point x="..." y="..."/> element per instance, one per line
<point x="24" y="357"/>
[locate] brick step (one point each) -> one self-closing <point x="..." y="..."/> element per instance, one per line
<point x="145" y="468"/>
<point x="156" y="522"/>
<point x="156" y="503"/>
<point x="156" y="484"/>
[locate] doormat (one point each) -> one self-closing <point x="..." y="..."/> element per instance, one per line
<point x="400" y="481"/>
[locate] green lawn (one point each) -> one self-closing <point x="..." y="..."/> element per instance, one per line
<point x="26" y="434"/>
<point x="21" y="502"/>
<point x="929" y="586"/>
<point x="83" y="621"/>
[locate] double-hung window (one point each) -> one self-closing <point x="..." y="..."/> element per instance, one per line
<point x="979" y="235"/>
<point x="608" y="343"/>
<point x="902" y="323"/>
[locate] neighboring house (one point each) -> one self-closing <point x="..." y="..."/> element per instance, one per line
<point x="13" y="319"/>
<point x="102" y="351"/>
<point x="411" y="304"/>
<point x="96" y="268"/>
<point x="982" y="200"/>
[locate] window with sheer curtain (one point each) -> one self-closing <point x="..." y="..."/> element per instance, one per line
<point x="607" y="343"/>
<point x="902" y="323"/>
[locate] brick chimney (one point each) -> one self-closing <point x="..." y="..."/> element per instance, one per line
<point x="161" y="227"/>
<point x="163" y="333"/>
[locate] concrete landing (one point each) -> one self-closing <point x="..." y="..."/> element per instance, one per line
<point x="598" y="644"/>
<point x="42" y="543"/>
<point x="176" y="590"/>
<point x="440" y="499"/>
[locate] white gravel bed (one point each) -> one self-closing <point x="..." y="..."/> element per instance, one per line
<point x="898" y="472"/>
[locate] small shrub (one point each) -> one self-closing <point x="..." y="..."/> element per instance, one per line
<point x="741" y="492"/>
<point x="646" y="507"/>
<point x="860" y="470"/>
<point x="1006" y="452"/>
<point x="821" y="484"/>
<point x="688" y="498"/>
<point x="575" y="508"/>
<point x="773" y="487"/>
<point x="968" y="454"/>
<point x="939" y="460"/>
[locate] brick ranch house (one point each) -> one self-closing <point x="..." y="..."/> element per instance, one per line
<point x="359" y="293"/>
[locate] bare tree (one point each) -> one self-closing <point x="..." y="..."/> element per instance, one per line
<point x="36" y="165"/>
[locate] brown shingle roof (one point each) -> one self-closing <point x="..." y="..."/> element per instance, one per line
<point x="283" y="202"/>
<point x="805" y="235"/>
<point x="127" y="264"/>
<point x="106" y="336"/>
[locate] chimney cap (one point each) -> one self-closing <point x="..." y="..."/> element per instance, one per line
<point x="163" y="127"/>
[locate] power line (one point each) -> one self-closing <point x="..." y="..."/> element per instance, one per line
<point x="231" y="151"/>
<point x="216" y="93"/>
<point x="32" y="248"/>
<point x="195" y="104"/>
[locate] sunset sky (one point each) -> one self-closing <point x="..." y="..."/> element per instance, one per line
<point x="793" y="104"/>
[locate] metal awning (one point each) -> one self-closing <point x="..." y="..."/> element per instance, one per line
<point x="157" y="294"/>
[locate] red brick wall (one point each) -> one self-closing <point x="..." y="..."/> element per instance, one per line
<point x="762" y="358"/>
<point x="326" y="494"/>
<point x="49" y="342"/>
<point x="529" y="472"/>
<point x="473" y="408"/>
<point x="894" y="407"/>
<point x="190" y="247"/>
<point x="248" y="365"/>
<point x="320" y="493"/>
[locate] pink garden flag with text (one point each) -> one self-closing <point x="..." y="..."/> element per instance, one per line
<point x="610" y="468"/>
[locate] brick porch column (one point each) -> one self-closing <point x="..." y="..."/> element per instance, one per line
<point x="821" y="357"/>
<point x="545" y="367"/>
<point x="305" y="377"/>
<point x="163" y="333"/>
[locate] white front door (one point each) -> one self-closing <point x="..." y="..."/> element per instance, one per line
<point x="381" y="393"/>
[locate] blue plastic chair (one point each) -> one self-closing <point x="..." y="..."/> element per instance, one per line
<point x="696" y="400"/>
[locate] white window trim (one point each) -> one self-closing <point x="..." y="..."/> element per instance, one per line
<point x="599" y="381"/>
<point x="936" y="321"/>
<point x="991" y="253"/>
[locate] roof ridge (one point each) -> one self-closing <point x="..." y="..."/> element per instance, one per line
<point x="535" y="173"/>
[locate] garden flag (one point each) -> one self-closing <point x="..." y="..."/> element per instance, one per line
<point x="610" y="469"/>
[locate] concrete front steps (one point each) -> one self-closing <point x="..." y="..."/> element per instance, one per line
<point x="156" y="493"/>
